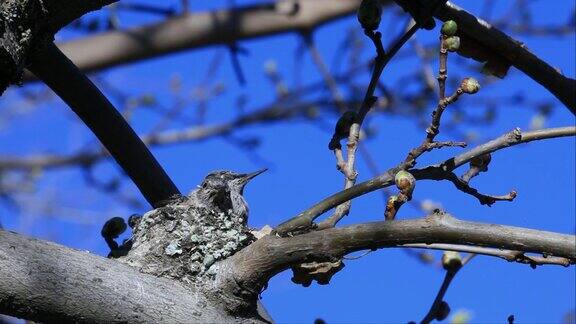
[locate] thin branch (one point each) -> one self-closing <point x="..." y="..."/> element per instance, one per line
<point x="305" y="218"/>
<point x="508" y="255"/>
<point x="436" y="305"/>
<point x="463" y="186"/>
<point x="382" y="59"/>
<point x="512" y="138"/>
<point x="60" y="74"/>
<point x="271" y="113"/>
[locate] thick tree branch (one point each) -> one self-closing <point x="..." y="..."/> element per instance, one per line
<point x="27" y="24"/>
<point x="258" y="262"/>
<point x="52" y="67"/>
<point x="495" y="47"/>
<point x="202" y="29"/>
<point x="228" y="26"/>
<point x="46" y="282"/>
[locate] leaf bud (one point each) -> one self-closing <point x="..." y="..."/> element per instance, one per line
<point x="451" y="260"/>
<point x="113" y="227"/>
<point x="369" y="14"/>
<point x="449" y="28"/>
<point x="470" y="85"/>
<point x="452" y="43"/>
<point x="405" y="181"/>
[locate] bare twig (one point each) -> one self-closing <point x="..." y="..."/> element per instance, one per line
<point x="508" y="255"/>
<point x="305" y="218"/>
<point x="451" y="271"/>
<point x="380" y="62"/>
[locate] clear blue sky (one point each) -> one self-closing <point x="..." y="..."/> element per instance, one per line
<point x="384" y="287"/>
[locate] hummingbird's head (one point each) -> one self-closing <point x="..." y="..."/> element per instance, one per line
<point x="225" y="188"/>
<point x="228" y="180"/>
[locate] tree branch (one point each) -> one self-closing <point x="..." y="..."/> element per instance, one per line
<point x="52" y="67"/>
<point x="304" y="220"/>
<point x="46" y="282"/>
<point x="508" y="255"/>
<point x="512" y="138"/>
<point x="28" y="24"/>
<point x="272" y="254"/>
<point x="197" y="30"/>
<point x="228" y="26"/>
<point x="495" y="47"/>
<point x="271" y="113"/>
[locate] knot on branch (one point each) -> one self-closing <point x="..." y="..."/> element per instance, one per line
<point x="320" y="272"/>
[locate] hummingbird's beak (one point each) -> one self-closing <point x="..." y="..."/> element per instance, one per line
<point x="250" y="176"/>
<point x="244" y="178"/>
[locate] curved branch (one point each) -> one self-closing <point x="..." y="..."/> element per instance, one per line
<point x="492" y="44"/>
<point x="268" y="256"/>
<point x="52" y="67"/>
<point x="46" y="282"/>
<point x="511" y="138"/>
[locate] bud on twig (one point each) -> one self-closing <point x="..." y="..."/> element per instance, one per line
<point x="391" y="207"/>
<point x="443" y="311"/>
<point x="449" y="28"/>
<point x="406" y="182"/>
<point x="369" y="14"/>
<point x="470" y="85"/>
<point x="451" y="260"/>
<point x="452" y="43"/>
<point x="113" y="227"/>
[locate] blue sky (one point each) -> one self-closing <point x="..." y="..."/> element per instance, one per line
<point x="384" y="287"/>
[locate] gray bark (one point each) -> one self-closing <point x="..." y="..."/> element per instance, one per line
<point x="28" y="24"/>
<point x="46" y="282"/>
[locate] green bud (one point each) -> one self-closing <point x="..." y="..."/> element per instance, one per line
<point x="470" y="86"/>
<point x="451" y="260"/>
<point x="452" y="43"/>
<point x="405" y="181"/>
<point x="449" y="28"/>
<point x="369" y="14"/>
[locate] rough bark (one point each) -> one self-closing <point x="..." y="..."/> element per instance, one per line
<point x="26" y="24"/>
<point x="46" y="282"/>
<point x="253" y="266"/>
